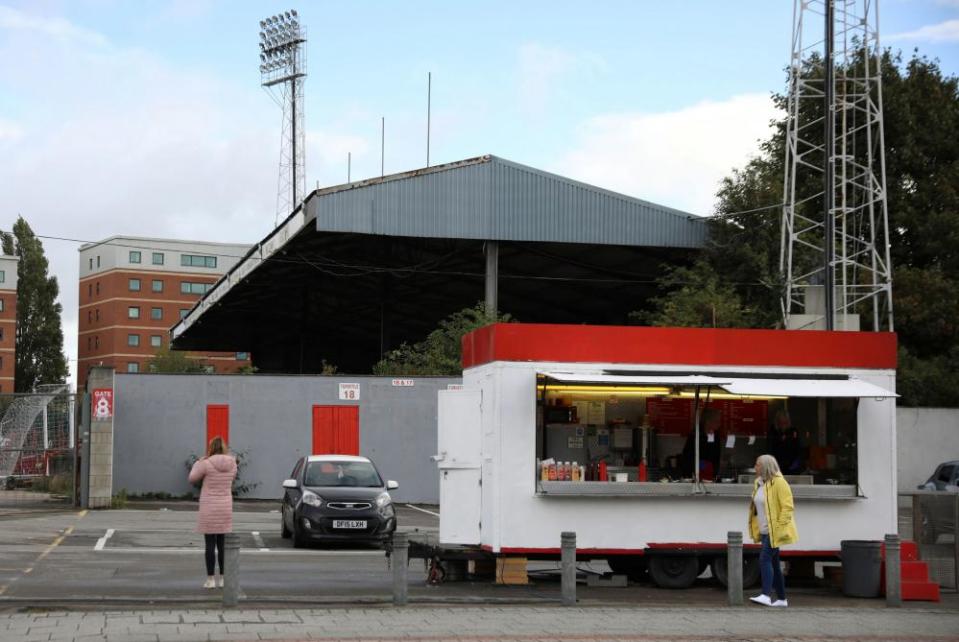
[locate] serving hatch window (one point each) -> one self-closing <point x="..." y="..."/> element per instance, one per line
<point x="641" y="431"/>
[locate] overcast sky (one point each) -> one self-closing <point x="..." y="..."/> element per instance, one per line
<point x="147" y="118"/>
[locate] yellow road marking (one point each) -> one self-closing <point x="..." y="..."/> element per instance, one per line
<point x="56" y="542"/>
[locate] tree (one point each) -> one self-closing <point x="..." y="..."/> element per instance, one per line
<point x="174" y="361"/>
<point x="921" y="117"/>
<point x="440" y="353"/>
<point x="39" y="336"/>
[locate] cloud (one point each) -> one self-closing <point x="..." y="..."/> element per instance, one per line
<point x="10" y="131"/>
<point x="673" y="158"/>
<point x="543" y="68"/>
<point x="947" y="31"/>
<point x="55" y="27"/>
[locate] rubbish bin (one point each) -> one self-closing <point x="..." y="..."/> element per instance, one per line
<point x="861" y="567"/>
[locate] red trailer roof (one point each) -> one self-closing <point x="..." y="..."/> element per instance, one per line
<point x="679" y="346"/>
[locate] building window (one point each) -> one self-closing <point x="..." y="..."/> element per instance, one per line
<point x="133" y="312"/>
<point x="98" y="288"/>
<point x="90" y="290"/>
<point x="156" y="313"/>
<point x="89" y="316"/>
<point x="89" y="342"/>
<point x="188" y="287"/>
<point x="3" y="276"/>
<point x="184" y="312"/>
<point x="133" y="367"/>
<point x="1" y="334"/>
<point x="157" y="285"/>
<point x="156" y="341"/>
<point x="133" y="340"/>
<point x="1" y="362"/>
<point x="98" y="260"/>
<point x="158" y="258"/>
<point x="96" y="342"/>
<point x="196" y="260"/>
<point x="242" y="356"/>
<point x="97" y="315"/>
<point x="1" y="305"/>
<point x="91" y="262"/>
<point x="134" y="256"/>
<point x="134" y="285"/>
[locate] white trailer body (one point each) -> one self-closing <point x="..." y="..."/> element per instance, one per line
<point x="490" y="491"/>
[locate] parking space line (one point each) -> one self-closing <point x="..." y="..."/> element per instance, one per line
<point x="246" y="551"/>
<point x="259" y="541"/>
<point x="422" y="510"/>
<point x="103" y="540"/>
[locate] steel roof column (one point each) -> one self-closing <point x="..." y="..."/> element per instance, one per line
<point x="491" y="250"/>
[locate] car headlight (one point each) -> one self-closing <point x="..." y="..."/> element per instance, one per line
<point x="383" y="501"/>
<point x="311" y="499"/>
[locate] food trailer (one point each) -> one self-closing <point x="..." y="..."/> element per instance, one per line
<point x="643" y="440"/>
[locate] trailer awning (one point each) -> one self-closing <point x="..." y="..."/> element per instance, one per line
<point x="745" y="386"/>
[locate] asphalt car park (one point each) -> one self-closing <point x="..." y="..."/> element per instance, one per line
<point x="149" y="555"/>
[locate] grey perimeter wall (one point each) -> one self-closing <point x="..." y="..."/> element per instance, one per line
<point x="160" y="420"/>
<point x="925" y="438"/>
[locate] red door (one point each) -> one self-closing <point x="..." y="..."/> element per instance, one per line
<point x="217" y="423"/>
<point x="336" y="430"/>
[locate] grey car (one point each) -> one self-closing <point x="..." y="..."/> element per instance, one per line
<point x="337" y="498"/>
<point x="938" y="511"/>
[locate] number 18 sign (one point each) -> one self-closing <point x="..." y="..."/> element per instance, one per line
<point x="350" y="391"/>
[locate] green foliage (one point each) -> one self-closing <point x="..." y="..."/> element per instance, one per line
<point x="39" y="336"/>
<point x="440" y="353"/>
<point x="921" y="116"/>
<point x="240" y="487"/>
<point x="120" y="499"/>
<point x="175" y="361"/>
<point x="697" y="299"/>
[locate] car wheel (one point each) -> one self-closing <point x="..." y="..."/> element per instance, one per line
<point x="284" y="531"/>
<point x="718" y="567"/>
<point x="674" y="571"/>
<point x="299" y="541"/>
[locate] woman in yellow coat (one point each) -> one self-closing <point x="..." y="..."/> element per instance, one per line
<point x="771" y="523"/>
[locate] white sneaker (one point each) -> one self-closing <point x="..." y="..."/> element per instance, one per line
<point x="762" y="599"/>
<point x="219" y="582"/>
<point x="209" y="583"/>
<point x="781" y="603"/>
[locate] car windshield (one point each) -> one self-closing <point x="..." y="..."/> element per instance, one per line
<point x="341" y="473"/>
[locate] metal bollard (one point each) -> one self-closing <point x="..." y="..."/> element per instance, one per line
<point x="568" y="564"/>
<point x="734" y="567"/>
<point x="401" y="551"/>
<point x="231" y="570"/>
<point x="893" y="571"/>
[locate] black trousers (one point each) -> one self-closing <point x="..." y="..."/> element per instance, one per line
<point x="213" y="542"/>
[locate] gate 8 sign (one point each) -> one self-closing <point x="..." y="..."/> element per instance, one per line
<point x="102" y="403"/>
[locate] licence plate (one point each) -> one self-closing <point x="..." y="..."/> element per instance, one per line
<point x="349" y="523"/>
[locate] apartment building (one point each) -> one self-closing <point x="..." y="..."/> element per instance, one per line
<point x="8" y="322"/>
<point x="133" y="290"/>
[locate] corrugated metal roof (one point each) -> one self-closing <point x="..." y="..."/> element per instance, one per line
<point x="491" y="198"/>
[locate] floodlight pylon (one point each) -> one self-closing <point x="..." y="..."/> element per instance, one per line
<point x="835" y="223"/>
<point x="282" y="74"/>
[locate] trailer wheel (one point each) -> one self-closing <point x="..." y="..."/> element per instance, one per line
<point x="674" y="571"/>
<point x="718" y="568"/>
<point x="633" y="566"/>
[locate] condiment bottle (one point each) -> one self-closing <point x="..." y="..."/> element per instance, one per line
<point x="576" y="475"/>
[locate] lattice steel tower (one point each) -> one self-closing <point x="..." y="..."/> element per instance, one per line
<point x="835" y="226"/>
<point x="282" y="73"/>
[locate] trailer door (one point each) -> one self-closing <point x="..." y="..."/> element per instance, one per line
<point x="459" y="459"/>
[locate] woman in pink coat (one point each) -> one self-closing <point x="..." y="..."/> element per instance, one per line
<point x="216" y="471"/>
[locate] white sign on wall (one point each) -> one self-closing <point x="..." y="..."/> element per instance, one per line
<point x="403" y="383"/>
<point x="454" y="386"/>
<point x="350" y="391"/>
